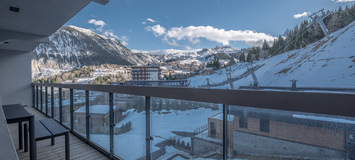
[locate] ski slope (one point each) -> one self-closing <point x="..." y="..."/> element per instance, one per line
<point x="329" y="62"/>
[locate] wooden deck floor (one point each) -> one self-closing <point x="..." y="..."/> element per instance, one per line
<point x="78" y="149"/>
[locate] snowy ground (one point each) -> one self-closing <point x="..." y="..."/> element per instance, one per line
<point x="131" y="145"/>
<point x="326" y="63"/>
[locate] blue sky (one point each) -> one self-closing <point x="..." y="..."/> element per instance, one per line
<point x="193" y="24"/>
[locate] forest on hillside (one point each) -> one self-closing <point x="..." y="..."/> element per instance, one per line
<point x="301" y="36"/>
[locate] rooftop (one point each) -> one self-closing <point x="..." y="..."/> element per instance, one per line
<point x="98" y="109"/>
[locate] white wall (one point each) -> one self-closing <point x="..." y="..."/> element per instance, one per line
<point x="153" y="76"/>
<point x="15" y="78"/>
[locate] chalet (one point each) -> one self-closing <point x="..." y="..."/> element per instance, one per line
<point x="269" y="134"/>
<point x="99" y="115"/>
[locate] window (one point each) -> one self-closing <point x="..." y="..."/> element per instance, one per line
<point x="243" y="123"/>
<point x="264" y="125"/>
<point x="213" y="130"/>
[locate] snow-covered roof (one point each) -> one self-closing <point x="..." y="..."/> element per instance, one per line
<point x="146" y="66"/>
<point x="204" y="135"/>
<point x="166" y="67"/>
<point x="327" y="119"/>
<point x="220" y="117"/>
<point x="97" y="109"/>
<point x="208" y="68"/>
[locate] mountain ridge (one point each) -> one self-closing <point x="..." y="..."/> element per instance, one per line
<point x="73" y="47"/>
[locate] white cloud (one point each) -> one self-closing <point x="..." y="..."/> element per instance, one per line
<point x="342" y="1"/>
<point x="98" y="23"/>
<point x="304" y="14"/>
<point x="187" y="47"/>
<point x="123" y="39"/>
<point x="151" y="20"/>
<point x="171" y="42"/>
<point x="124" y="43"/>
<point x="157" y="30"/>
<point x="194" y="33"/>
<point x="109" y="33"/>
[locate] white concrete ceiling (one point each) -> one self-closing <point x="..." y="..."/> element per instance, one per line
<point x="35" y="20"/>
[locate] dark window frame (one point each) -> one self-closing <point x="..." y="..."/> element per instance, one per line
<point x="264" y="125"/>
<point x="213" y="130"/>
<point x="243" y="122"/>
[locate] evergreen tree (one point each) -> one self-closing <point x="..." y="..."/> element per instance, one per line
<point x="257" y="56"/>
<point x="182" y="144"/>
<point x="249" y="57"/>
<point x="188" y="145"/>
<point x="265" y="46"/>
<point x="241" y="57"/>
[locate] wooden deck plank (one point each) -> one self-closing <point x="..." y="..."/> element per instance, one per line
<point x="78" y="148"/>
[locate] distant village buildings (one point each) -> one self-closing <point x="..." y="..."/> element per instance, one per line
<point x="146" y="73"/>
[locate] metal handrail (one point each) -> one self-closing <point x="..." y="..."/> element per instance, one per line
<point x="341" y="104"/>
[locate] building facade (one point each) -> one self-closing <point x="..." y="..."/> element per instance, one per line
<point x="145" y="73"/>
<point x="268" y="136"/>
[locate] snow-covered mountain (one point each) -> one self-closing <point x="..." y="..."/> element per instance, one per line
<point x="329" y="62"/>
<point x="188" y="56"/>
<point x="72" y="47"/>
<point x="199" y="54"/>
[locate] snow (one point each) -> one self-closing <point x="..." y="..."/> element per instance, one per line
<point x="163" y="124"/>
<point x="72" y="47"/>
<point x="97" y="109"/>
<point x="171" y="151"/>
<point x="327" y="119"/>
<point x="204" y="135"/>
<point x="326" y="63"/>
<point x="219" y="76"/>
<point x="83" y="30"/>
<point x="220" y="117"/>
<point x="166" y="51"/>
<point x="133" y="142"/>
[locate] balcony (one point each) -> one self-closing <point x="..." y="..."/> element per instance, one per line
<point x="130" y="122"/>
<point x="79" y="149"/>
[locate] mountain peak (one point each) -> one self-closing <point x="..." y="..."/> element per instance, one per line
<point x="83" y="30"/>
<point x="72" y="47"/>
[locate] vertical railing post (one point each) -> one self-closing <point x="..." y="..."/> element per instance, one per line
<point x="46" y="99"/>
<point x="71" y="109"/>
<point x="37" y="98"/>
<point x="33" y="96"/>
<point x="87" y="111"/>
<point x="41" y="98"/>
<point x="112" y="124"/>
<point x="52" y="102"/>
<point x="60" y="106"/>
<point x="147" y="129"/>
<point x="225" y="132"/>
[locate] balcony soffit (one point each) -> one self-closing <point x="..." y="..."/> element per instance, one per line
<point x="27" y="23"/>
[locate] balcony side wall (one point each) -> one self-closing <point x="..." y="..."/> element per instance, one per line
<point x="15" y="78"/>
